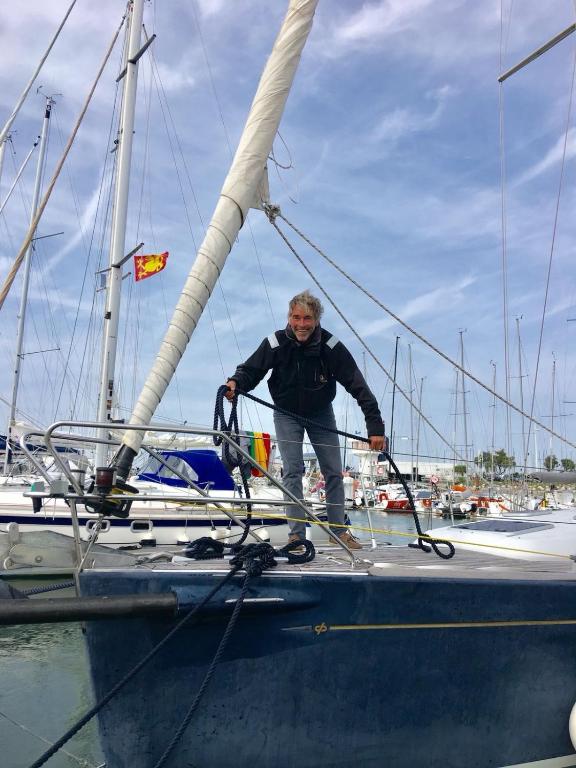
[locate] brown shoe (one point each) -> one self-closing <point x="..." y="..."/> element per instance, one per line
<point x="292" y="539"/>
<point x="347" y="538"/>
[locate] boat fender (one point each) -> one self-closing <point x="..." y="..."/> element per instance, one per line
<point x="572" y="726"/>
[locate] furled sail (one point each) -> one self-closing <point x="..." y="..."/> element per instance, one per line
<point x="245" y="181"/>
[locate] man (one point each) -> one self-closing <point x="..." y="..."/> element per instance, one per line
<point x="306" y="362"/>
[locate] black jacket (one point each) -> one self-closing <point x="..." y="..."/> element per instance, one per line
<point x="304" y="376"/>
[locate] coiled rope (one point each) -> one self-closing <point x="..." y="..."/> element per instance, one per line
<point x="421" y="542"/>
<point x="231" y="457"/>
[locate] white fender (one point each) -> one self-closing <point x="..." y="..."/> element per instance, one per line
<point x="572" y="726"/>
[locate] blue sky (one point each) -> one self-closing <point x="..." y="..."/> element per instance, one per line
<point x="392" y="138"/>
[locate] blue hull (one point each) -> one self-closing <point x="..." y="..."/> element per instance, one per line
<point x="350" y="670"/>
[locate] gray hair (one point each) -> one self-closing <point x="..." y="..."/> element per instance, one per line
<point x="311" y="303"/>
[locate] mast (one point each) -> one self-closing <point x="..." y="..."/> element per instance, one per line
<point x="411" y="392"/>
<point x="26" y="280"/>
<point x="18" y="175"/>
<point x="553" y="406"/>
<point x="464" y="414"/>
<point x="493" y="447"/>
<point x="6" y="129"/>
<point x="393" y="398"/>
<point x="418" y="429"/>
<point x="524" y="446"/>
<point x="242" y="189"/>
<point x="3" y="143"/>
<point x="118" y="234"/>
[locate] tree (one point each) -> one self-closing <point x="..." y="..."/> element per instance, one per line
<point x="460" y="470"/>
<point x="550" y="462"/>
<point x="484" y="460"/>
<point x="502" y="461"/>
<point x="568" y="465"/>
<point x="496" y="463"/>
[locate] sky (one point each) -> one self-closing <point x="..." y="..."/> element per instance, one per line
<point x="399" y="155"/>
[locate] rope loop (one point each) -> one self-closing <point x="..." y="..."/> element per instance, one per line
<point x="424" y="545"/>
<point x="254" y="559"/>
<point x="230" y="457"/>
<point x="204" y="548"/>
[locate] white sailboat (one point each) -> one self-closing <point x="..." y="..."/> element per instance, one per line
<point x="164" y="521"/>
<point x="391" y="636"/>
<point x="468" y="661"/>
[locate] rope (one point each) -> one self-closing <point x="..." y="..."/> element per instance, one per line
<point x="51" y="588"/>
<point x="233" y="458"/>
<point x="274" y="212"/>
<point x="551" y="257"/>
<point x="310" y="422"/>
<point x="28" y="239"/>
<point x="129" y="675"/>
<point x="217" y="656"/>
<point x="255" y="557"/>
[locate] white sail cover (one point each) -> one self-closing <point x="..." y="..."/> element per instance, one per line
<point x="239" y="193"/>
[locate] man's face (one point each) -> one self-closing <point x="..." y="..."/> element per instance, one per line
<point x="302" y="322"/>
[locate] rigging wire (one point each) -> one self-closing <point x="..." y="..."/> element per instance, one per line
<point x="551" y="257"/>
<point x="275" y="213"/>
<point x="272" y="214"/>
<point x="504" y="241"/>
<point x="34" y="224"/>
<point x="165" y="109"/>
<point x="227" y="137"/>
<point x="89" y="345"/>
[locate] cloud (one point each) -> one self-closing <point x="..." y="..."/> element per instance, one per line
<point x="403" y="121"/>
<point x="431" y="300"/>
<point x="565" y="146"/>
<point x="375" y="21"/>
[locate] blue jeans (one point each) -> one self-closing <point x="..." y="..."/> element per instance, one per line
<point x="290" y="440"/>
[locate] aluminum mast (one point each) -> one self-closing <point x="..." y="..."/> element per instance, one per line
<point x="120" y="215"/>
<point x="240" y="192"/>
<point x="26" y="279"/>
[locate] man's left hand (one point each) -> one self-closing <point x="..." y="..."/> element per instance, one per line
<point x="377" y="443"/>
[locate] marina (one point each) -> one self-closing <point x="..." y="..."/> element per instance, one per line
<point x="206" y="589"/>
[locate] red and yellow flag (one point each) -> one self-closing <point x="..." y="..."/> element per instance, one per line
<point x="146" y="266"/>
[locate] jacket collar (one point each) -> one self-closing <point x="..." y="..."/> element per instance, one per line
<point x="311" y="347"/>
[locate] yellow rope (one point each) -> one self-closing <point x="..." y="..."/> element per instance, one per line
<point x="388" y="532"/>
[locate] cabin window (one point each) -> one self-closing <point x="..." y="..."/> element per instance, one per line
<point x="141" y="526"/>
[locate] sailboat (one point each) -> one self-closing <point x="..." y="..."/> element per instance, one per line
<point x="207" y="506"/>
<point x="404" y="659"/>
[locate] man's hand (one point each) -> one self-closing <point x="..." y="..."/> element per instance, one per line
<point x="231" y="394"/>
<point x="377" y="443"/>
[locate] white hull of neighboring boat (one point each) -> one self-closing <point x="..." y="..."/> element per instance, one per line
<point x="535" y="535"/>
<point x="163" y="522"/>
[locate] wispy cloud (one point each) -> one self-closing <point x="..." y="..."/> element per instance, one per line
<point x="377" y="20"/>
<point x="565" y="147"/>
<point x="402" y="121"/>
<point x="431" y="300"/>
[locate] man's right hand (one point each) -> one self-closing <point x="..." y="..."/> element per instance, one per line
<point x="231" y="394"/>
